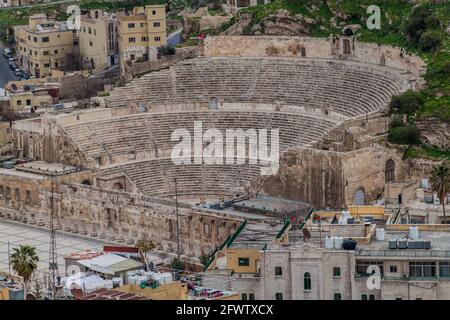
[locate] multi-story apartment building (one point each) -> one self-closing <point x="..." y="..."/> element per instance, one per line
<point x="98" y="40"/>
<point x="390" y="261"/>
<point x="139" y="31"/>
<point x="44" y="45"/>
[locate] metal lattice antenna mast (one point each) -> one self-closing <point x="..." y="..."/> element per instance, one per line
<point x="178" y="223"/>
<point x="53" y="256"/>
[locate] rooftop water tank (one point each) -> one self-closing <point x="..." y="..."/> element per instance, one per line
<point x="338" y="242"/>
<point x="412" y="244"/>
<point x="414" y="232"/>
<point x="419" y="244"/>
<point x="380" y="234"/>
<point x="402" y="243"/>
<point x="349" y="244"/>
<point x="426" y="243"/>
<point x="392" y="243"/>
<point x="329" y="242"/>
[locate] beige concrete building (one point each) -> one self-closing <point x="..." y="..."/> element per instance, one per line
<point x="98" y="40"/>
<point x="390" y="261"/>
<point x="141" y="30"/>
<point x="44" y="45"/>
<point x="27" y="95"/>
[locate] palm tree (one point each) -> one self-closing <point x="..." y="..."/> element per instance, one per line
<point x="24" y="261"/>
<point x="440" y="183"/>
<point x="144" y="246"/>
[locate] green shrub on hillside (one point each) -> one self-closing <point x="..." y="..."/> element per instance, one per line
<point x="407" y="135"/>
<point x="406" y="103"/>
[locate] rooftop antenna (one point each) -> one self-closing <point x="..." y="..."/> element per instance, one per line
<point x="178" y="225"/>
<point x="53" y="256"/>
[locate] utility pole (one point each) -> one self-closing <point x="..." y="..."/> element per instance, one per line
<point x="53" y="258"/>
<point x="178" y="225"/>
<point x="9" y="260"/>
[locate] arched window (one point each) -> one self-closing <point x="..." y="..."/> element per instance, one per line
<point x="389" y="171"/>
<point x="117" y="186"/>
<point x="307" y="281"/>
<point x="359" y="197"/>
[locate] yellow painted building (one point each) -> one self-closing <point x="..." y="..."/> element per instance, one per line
<point x="44" y="45"/>
<point x="139" y="30"/>
<point x="33" y="93"/>
<point x="98" y="40"/>
<point x="242" y="260"/>
<point x="178" y="290"/>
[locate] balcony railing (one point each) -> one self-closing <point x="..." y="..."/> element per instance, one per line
<point x="404" y="253"/>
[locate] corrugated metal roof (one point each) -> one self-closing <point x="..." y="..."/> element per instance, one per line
<point x="110" y="263"/>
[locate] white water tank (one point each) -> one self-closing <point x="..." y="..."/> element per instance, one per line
<point x="414" y="233"/>
<point x="329" y="242"/>
<point x="380" y="234"/>
<point x="338" y="242"/>
<point x="345" y="214"/>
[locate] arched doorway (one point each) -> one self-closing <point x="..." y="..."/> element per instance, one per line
<point x="389" y="171"/>
<point x="359" y="197"/>
<point x="117" y="186"/>
<point x="86" y="182"/>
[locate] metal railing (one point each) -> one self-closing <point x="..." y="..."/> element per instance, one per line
<point x="404" y="253"/>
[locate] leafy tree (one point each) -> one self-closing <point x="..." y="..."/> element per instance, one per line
<point x="406" y="103"/>
<point x="145" y="246"/>
<point x="166" y="50"/>
<point x="440" y="183"/>
<point x="416" y="23"/>
<point x="24" y="261"/>
<point x="430" y="40"/>
<point x="177" y="264"/>
<point x="404" y="135"/>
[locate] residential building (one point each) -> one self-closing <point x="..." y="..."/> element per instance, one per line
<point x="44" y="45"/>
<point x="28" y="95"/>
<point x="390" y="261"/>
<point x="98" y="40"/>
<point x="140" y="33"/>
<point x="176" y="290"/>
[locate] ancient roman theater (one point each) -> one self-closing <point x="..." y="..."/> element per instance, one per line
<point x="108" y="171"/>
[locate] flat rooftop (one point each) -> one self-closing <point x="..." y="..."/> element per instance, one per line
<point x="440" y="244"/>
<point x="42" y="167"/>
<point x="257" y="236"/>
<point x="22" y="174"/>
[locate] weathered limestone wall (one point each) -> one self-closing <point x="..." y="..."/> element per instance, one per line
<point x="365" y="169"/>
<point x="332" y="48"/>
<point x="329" y="179"/>
<point x="309" y="175"/>
<point x="113" y="214"/>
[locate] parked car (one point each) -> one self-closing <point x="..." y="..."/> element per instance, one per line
<point x="11" y="59"/>
<point x="7" y="53"/>
<point x="17" y="72"/>
<point x="24" y="76"/>
<point x="12" y="65"/>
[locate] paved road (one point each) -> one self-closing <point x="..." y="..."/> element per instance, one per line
<point x="5" y="72"/>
